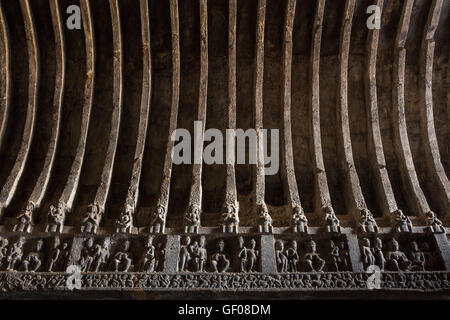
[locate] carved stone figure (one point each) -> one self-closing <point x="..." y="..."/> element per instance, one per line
<point x="33" y="260"/>
<point x="299" y="220"/>
<point x="230" y="219"/>
<point x="380" y="260"/>
<point x="92" y="219"/>
<point x="367" y="222"/>
<point x="332" y="222"/>
<point x="282" y="261"/>
<point x="101" y="255"/>
<point x="220" y="262"/>
<point x="396" y="259"/>
<point x="87" y="255"/>
<point x="3" y="251"/>
<point x="200" y="255"/>
<point x="247" y="256"/>
<point x="334" y="259"/>
<point x="192" y="219"/>
<point x="122" y="260"/>
<point x="292" y="256"/>
<point x="158" y="223"/>
<point x="125" y="222"/>
<point x="151" y="258"/>
<point x="417" y="258"/>
<point x="434" y="224"/>
<point x="432" y="259"/>
<point x="63" y="257"/>
<point x="25" y="219"/>
<point x="312" y="259"/>
<point x="185" y="255"/>
<point x="15" y="254"/>
<point x="403" y="222"/>
<point x="264" y="220"/>
<point x="54" y="255"/>
<point x="367" y="256"/>
<point x="56" y="217"/>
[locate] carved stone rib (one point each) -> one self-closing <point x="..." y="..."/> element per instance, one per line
<point x="105" y="182"/>
<point x="434" y="165"/>
<point x="375" y="144"/>
<point x="258" y="170"/>
<point x="321" y="191"/>
<point x="353" y="196"/>
<point x="71" y="186"/>
<point x="287" y="167"/>
<point x="133" y="190"/>
<point x="195" y="197"/>
<point x="42" y="183"/>
<point x="416" y="197"/>
<point x="230" y="191"/>
<point x="10" y="186"/>
<point x="5" y="75"/>
<point x="163" y="198"/>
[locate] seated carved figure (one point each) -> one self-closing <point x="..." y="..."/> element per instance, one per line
<point x="292" y="257"/>
<point x="33" y="260"/>
<point x="368" y="223"/>
<point x="92" y="219"/>
<point x="158" y="223"/>
<point x="403" y="222"/>
<point x="15" y="253"/>
<point x="56" y="217"/>
<point x="332" y="222"/>
<point x="220" y="262"/>
<point x="25" y="219"/>
<point x="192" y="219"/>
<point x="282" y="261"/>
<point x="417" y="258"/>
<point x="299" y="220"/>
<point x="396" y="259"/>
<point x="122" y="260"/>
<point x="230" y="219"/>
<point x="366" y="251"/>
<point x="264" y="219"/>
<point x="312" y="259"/>
<point x="434" y="224"/>
<point x="125" y="221"/>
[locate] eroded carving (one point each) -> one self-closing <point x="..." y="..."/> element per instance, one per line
<point x="92" y="219"/>
<point x="403" y="222"/>
<point x="25" y="219"/>
<point x="264" y="219"/>
<point x="434" y="224"/>
<point x="230" y="218"/>
<point x="192" y="219"/>
<point x="367" y="222"/>
<point x="56" y="217"/>
<point x="158" y="223"/>
<point x="220" y="261"/>
<point x="248" y="257"/>
<point x="299" y="220"/>
<point x="331" y="220"/>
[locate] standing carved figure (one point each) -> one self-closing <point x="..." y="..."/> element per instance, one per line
<point x="380" y="260"/>
<point x="33" y="260"/>
<point x="247" y="256"/>
<point x="367" y="256"/>
<point x="25" y="219"/>
<point x="158" y="223"/>
<point x="192" y="219"/>
<point x="299" y="220"/>
<point x="334" y="259"/>
<point x="148" y="262"/>
<point x="264" y="219"/>
<point x="292" y="256"/>
<point x="87" y="255"/>
<point x="202" y="255"/>
<point x="92" y="219"/>
<point x="101" y="255"/>
<point x="63" y="257"/>
<point x="56" y="217"/>
<point x="282" y="261"/>
<point x="54" y="255"/>
<point x="312" y="259"/>
<point x="220" y="261"/>
<point x="3" y="251"/>
<point x="230" y="219"/>
<point x="185" y="255"/>
<point x="15" y="254"/>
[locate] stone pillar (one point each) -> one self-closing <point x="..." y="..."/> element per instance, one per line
<point x="354" y="252"/>
<point x="172" y="254"/>
<point x="443" y="247"/>
<point x="268" y="263"/>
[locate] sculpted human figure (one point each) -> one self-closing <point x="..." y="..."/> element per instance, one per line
<point x="3" y="251"/>
<point x="54" y="255"/>
<point x="25" y="219"/>
<point x="344" y="257"/>
<point x="403" y="222"/>
<point x="125" y="222"/>
<point x="87" y="255"/>
<point x="367" y="256"/>
<point x="264" y="219"/>
<point x="431" y="258"/>
<point x="299" y="220"/>
<point x="334" y="259"/>
<point x="15" y="254"/>
<point x="312" y="260"/>
<point x="192" y="219"/>
<point x="33" y="260"/>
<point x="185" y="255"/>
<point x="417" y="258"/>
<point x="247" y="256"/>
<point x="380" y="260"/>
<point x="56" y="217"/>
<point x="282" y="261"/>
<point x="434" y="224"/>
<point x="396" y="259"/>
<point x="230" y="219"/>
<point x="202" y="255"/>
<point x="368" y="223"/>
<point x="220" y="261"/>
<point x="332" y="222"/>
<point x="92" y="219"/>
<point x="158" y="224"/>
<point x="101" y="255"/>
<point x="292" y="256"/>
<point x="122" y="260"/>
<point x="148" y="261"/>
<point x="63" y="256"/>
